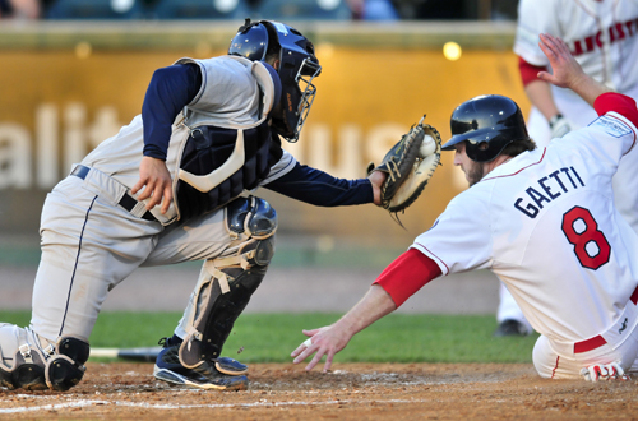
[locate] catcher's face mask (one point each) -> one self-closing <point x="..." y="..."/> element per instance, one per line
<point x="298" y="94"/>
<point x="298" y="66"/>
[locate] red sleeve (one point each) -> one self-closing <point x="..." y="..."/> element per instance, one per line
<point x="622" y="104"/>
<point x="407" y="274"/>
<point x="528" y="71"/>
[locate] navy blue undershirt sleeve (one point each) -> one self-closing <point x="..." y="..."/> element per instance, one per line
<point x="310" y="185"/>
<point x="170" y="90"/>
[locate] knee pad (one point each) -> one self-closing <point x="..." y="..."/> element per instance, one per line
<point x="66" y="368"/>
<point x="256" y="219"/>
<point x="251" y="216"/>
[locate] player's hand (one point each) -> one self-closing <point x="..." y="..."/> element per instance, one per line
<point x="157" y="183"/>
<point x="567" y="73"/>
<point x="324" y="341"/>
<point x="377" y="178"/>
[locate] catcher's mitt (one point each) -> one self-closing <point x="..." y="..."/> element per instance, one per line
<point x="409" y="164"/>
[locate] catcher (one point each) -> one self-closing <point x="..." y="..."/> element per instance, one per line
<point x="543" y="220"/>
<point x="173" y="186"/>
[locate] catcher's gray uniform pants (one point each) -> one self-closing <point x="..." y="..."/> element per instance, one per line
<point x="90" y="244"/>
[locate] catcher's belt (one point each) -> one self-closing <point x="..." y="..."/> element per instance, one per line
<point x="127" y="201"/>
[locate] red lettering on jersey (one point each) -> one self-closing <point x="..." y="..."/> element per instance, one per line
<point x="618" y="31"/>
<point x="599" y="39"/>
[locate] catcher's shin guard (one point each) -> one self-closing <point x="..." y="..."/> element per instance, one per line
<point x="227" y="284"/>
<point x="219" y="304"/>
<point x="23" y="356"/>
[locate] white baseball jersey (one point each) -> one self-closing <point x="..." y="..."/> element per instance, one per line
<point x="545" y="223"/>
<point x="603" y="37"/>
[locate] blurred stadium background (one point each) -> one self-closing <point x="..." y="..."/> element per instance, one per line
<point x="74" y="71"/>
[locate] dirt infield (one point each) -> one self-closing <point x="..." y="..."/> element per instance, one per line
<point x="126" y="391"/>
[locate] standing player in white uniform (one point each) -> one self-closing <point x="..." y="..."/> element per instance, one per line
<point x="166" y="189"/>
<point x="542" y="220"/>
<point x="603" y="37"/>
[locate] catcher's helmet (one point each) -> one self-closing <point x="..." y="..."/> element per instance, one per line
<point x="488" y="123"/>
<point x="297" y="63"/>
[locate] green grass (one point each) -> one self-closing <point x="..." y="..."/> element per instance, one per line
<point x="271" y="337"/>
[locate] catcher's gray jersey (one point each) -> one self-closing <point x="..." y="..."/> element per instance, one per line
<point x="229" y="98"/>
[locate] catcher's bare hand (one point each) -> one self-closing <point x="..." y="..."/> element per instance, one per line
<point x="567" y="73"/>
<point x="324" y="341"/>
<point x="377" y="179"/>
<point x="157" y="183"/>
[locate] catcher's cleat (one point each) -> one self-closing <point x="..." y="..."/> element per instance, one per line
<point x="223" y="374"/>
<point x="27" y="376"/>
<point x="224" y="365"/>
<point x="511" y="327"/>
<point x="6" y="379"/>
<point x="204" y="377"/>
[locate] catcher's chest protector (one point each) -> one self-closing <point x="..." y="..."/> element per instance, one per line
<point x="217" y="164"/>
<point x="208" y="149"/>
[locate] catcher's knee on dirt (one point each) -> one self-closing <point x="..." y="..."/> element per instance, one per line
<point x="24" y="356"/>
<point x="66" y="368"/>
<point x="227" y="284"/>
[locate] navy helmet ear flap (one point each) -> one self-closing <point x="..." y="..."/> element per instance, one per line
<point x="277" y="84"/>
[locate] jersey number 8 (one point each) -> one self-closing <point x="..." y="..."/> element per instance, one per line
<point x="586" y="238"/>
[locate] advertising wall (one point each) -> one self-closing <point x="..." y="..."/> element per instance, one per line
<point x="58" y="103"/>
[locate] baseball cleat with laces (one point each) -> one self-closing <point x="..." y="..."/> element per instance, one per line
<point x="223" y="373"/>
